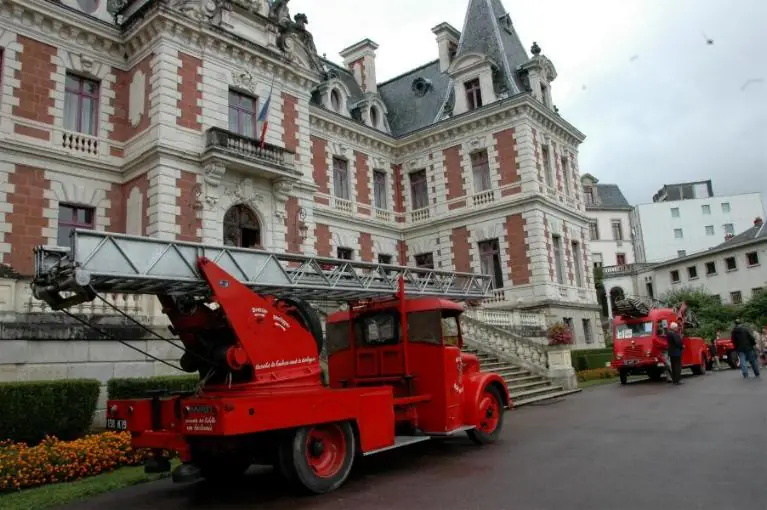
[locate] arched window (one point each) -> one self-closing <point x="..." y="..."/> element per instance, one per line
<point x="374" y="116"/>
<point x="335" y="100"/>
<point x="241" y="227"/>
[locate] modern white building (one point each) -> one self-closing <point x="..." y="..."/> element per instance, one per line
<point x="734" y="271"/>
<point x="669" y="228"/>
<point x="610" y="223"/>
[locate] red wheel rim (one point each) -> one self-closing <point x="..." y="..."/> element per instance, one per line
<point x="326" y="450"/>
<point x="489" y="413"/>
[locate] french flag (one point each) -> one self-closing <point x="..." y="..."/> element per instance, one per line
<point x="263" y="115"/>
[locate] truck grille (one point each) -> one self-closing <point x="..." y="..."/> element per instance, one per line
<point x="633" y="351"/>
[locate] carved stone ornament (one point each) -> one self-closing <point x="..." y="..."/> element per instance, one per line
<point x="244" y="192"/>
<point x="295" y="28"/>
<point x="244" y="80"/>
<point x="214" y="172"/>
<point x="86" y="62"/>
<point x="478" y="143"/>
<point x="380" y="162"/>
<point x="338" y="148"/>
<point x="416" y="163"/>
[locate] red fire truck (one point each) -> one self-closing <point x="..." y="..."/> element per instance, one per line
<point x="639" y="339"/>
<point x="397" y="375"/>
<point x="725" y="351"/>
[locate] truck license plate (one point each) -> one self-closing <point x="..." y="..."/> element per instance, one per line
<point x="114" y="424"/>
<point x="630" y="362"/>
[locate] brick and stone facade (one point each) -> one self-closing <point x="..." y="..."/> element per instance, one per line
<point x="164" y="157"/>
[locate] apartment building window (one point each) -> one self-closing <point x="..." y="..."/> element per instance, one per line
<point x="577" y="262"/>
<point x="620" y="259"/>
<point x="617" y="227"/>
<point x="675" y="276"/>
<point x="243" y="114"/>
<point x="559" y="262"/>
<point x="594" y="231"/>
<point x="379" y="189"/>
<point x="589" y="196"/>
<point x="710" y="268"/>
<point x="674" y="212"/>
<point x="729" y="228"/>
<point x="565" y="175"/>
<point x="481" y="171"/>
<point x="736" y="297"/>
<point x="587" y="333"/>
<point x="81" y="105"/>
<point x="419" y="190"/>
<point x="341" y="178"/>
<point x="473" y="94"/>
<point x="384" y="258"/>
<point x="717" y="297"/>
<point x="756" y="291"/>
<point x="731" y="264"/>
<point x="725" y="207"/>
<point x="678" y="233"/>
<point x="705" y="209"/>
<point x="344" y="253"/>
<point x="681" y="253"/>
<point x="752" y="258"/>
<point x="709" y="230"/>
<point x="72" y="217"/>
<point x="490" y="261"/>
<point x="546" y="162"/>
<point x="425" y="260"/>
<point x="692" y="272"/>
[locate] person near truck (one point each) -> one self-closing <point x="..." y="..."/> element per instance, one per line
<point x="745" y="346"/>
<point x="675" y="347"/>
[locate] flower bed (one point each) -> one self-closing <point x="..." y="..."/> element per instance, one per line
<point x="54" y="461"/>
<point x="596" y="373"/>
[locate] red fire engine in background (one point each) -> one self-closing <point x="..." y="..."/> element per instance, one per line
<point x="639" y="341"/>
<point x="397" y="375"/>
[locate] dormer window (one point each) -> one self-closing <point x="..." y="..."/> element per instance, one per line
<point x="473" y="94"/>
<point x="588" y="193"/>
<point x="452" y="49"/>
<point x="374" y="117"/>
<point x="335" y="100"/>
<point x="543" y="94"/>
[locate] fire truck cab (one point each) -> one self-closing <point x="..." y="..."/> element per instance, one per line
<point x="639" y="341"/>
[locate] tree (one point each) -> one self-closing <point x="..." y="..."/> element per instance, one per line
<point x="599" y="285"/>
<point x="712" y="315"/>
<point x="755" y="310"/>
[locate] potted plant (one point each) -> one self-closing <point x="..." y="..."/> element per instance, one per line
<point x="559" y="333"/>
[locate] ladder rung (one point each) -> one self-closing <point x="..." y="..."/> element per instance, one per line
<point x="120" y="263"/>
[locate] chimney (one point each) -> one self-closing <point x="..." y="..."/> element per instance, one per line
<point x="757" y="221"/>
<point x="360" y="59"/>
<point x="447" y="44"/>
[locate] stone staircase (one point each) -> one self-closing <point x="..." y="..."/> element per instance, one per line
<point x="525" y="387"/>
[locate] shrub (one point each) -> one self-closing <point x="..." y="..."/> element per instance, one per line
<point x="138" y="386"/>
<point x="559" y="334"/>
<point x="54" y="461"/>
<point x="585" y="359"/>
<point x="596" y="373"/>
<point x="31" y="410"/>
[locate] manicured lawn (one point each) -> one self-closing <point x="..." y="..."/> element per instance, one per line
<point x="48" y="496"/>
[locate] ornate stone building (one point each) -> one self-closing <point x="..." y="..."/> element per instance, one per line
<point x="141" y="116"/>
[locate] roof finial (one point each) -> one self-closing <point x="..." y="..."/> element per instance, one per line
<point x="535" y="49"/>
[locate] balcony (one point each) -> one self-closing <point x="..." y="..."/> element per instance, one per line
<point x="623" y="269"/>
<point x="248" y="156"/>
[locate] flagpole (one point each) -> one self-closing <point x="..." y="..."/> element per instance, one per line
<point x="265" y="113"/>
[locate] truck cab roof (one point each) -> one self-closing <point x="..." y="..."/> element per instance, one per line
<point x="416" y="304"/>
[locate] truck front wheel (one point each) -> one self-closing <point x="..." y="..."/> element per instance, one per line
<point x="319" y="457"/>
<point x="490" y="408"/>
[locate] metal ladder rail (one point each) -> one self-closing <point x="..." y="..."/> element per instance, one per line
<point x="107" y="262"/>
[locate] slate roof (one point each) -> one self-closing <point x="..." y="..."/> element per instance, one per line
<point x="484" y="32"/>
<point x="610" y="197"/>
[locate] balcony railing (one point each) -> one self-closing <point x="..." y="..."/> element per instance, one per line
<point x="623" y="269"/>
<point x="243" y="146"/>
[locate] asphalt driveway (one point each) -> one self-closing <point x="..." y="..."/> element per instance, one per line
<point x="702" y="445"/>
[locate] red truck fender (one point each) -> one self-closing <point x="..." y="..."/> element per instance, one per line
<point x="474" y="387"/>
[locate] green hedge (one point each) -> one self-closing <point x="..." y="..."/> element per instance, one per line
<point x="31" y="410"/>
<point x="589" y="359"/>
<point x="136" y="387"/>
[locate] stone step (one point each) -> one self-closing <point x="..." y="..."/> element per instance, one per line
<point x="550" y="388"/>
<point x="544" y="397"/>
<point x="489" y="367"/>
<point x="518" y="387"/>
<point x="511" y="370"/>
<point x="510" y="381"/>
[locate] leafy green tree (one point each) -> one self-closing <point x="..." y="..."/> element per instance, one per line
<point x="712" y="315"/>
<point x="755" y="310"/>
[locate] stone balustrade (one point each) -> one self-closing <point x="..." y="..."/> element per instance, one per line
<point x="530" y="325"/>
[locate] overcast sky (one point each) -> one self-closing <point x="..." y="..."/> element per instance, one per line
<point x="659" y="105"/>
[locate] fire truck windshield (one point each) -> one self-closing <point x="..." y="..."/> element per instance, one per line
<point x="633" y="329"/>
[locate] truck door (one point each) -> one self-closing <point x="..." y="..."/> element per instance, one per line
<point x="453" y="372"/>
<point x="379" y="349"/>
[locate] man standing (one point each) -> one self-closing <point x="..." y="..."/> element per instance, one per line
<point x="745" y="346"/>
<point x="675" y="352"/>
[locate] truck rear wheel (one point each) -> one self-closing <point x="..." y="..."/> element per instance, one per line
<point x="491" y="417"/>
<point x="319" y="457"/>
<point x="733" y="360"/>
<point x="624" y="376"/>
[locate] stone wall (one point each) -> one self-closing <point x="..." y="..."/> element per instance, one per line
<point x="46" y="346"/>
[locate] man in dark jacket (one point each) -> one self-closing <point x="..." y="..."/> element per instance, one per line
<point x="745" y="346"/>
<point x="675" y="347"/>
